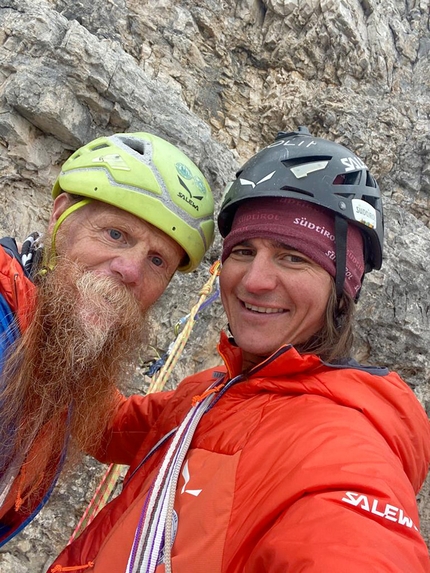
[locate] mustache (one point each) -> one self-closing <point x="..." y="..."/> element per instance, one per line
<point x="106" y="293"/>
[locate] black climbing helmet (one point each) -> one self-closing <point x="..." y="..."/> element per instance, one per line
<point x="319" y="171"/>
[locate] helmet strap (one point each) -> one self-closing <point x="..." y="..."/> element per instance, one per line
<point x="341" y="235"/>
<point x="49" y="256"/>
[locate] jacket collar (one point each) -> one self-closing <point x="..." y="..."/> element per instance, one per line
<point x="285" y="360"/>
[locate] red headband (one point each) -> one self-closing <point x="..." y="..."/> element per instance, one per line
<point x="305" y="227"/>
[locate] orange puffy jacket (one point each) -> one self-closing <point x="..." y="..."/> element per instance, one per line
<point x="299" y="466"/>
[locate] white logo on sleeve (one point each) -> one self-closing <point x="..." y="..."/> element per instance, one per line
<point x="375" y="506"/>
<point x="186" y="475"/>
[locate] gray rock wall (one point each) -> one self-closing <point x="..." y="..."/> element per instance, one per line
<point x="219" y="79"/>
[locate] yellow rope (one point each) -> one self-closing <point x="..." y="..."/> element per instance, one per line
<point x="161" y="378"/>
<point x="110" y="477"/>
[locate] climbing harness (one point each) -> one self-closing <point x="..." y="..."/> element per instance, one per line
<point x="113" y="472"/>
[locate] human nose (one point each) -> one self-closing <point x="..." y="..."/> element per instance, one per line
<point x="128" y="268"/>
<point x="260" y="275"/>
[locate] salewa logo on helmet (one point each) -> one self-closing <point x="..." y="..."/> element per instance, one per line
<point x="253" y="185"/>
<point x="185" y="173"/>
<point x="353" y="163"/>
<point x="188" y="199"/>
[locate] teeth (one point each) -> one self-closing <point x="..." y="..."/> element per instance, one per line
<point x="263" y="309"/>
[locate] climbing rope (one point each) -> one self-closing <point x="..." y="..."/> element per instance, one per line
<point x="113" y="472"/>
<point x="160" y="379"/>
<point x="99" y="500"/>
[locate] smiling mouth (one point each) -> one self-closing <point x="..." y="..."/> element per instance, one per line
<point x="263" y="309"/>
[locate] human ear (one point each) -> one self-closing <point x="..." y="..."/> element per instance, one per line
<point x="61" y="203"/>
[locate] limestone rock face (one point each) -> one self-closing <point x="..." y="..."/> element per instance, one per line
<point x="219" y="79"/>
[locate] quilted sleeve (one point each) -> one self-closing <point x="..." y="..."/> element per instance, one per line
<point x="334" y="498"/>
<point x="156" y="414"/>
<point x="319" y="534"/>
<point x="17" y="291"/>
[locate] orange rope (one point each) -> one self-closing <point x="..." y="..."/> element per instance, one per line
<point x="160" y="380"/>
<point x="99" y="500"/>
<point x="59" y="568"/>
<point x="19" y="501"/>
<point x="197" y="399"/>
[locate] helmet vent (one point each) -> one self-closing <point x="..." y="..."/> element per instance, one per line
<point x="97" y="147"/>
<point x="294" y="161"/>
<point x="371" y="181"/>
<point x="298" y="191"/>
<point x="345" y="195"/>
<point x="374" y="201"/>
<point x="136" y="144"/>
<point x="352" y="178"/>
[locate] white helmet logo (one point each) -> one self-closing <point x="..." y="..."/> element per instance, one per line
<point x="253" y="185"/>
<point x="114" y="161"/>
<point x="353" y="164"/>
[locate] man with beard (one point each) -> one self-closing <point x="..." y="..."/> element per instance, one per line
<point x="129" y="210"/>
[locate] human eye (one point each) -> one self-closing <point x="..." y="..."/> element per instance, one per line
<point x="242" y="251"/>
<point x="157" y="260"/>
<point x="294" y="258"/>
<point x="115" y="234"/>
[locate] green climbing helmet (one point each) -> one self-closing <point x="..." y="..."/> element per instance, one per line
<point x="149" y="177"/>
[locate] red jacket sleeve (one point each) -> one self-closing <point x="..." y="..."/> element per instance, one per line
<point x="130" y="424"/>
<point x="319" y="535"/>
<point x="339" y="500"/>
<point x="18" y="291"/>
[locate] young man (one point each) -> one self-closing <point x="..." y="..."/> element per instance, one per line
<point x="292" y="456"/>
<point x="73" y="302"/>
